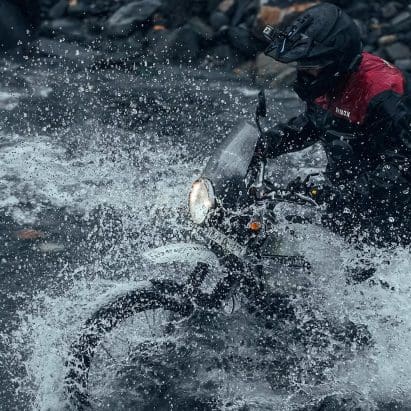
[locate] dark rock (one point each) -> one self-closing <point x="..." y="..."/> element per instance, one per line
<point x="219" y="20"/>
<point x="95" y="25"/>
<point x="387" y="40"/>
<point x="243" y="41"/>
<point x="79" y="9"/>
<point x="130" y="45"/>
<point x="58" y="10"/>
<point x="201" y="28"/>
<point x="70" y="29"/>
<point x="30" y="10"/>
<point x="184" y="45"/>
<point x="404" y="64"/>
<point x="401" y="18"/>
<point x="158" y="45"/>
<point x="391" y="9"/>
<point x="398" y="51"/>
<point x="127" y="19"/>
<point x="70" y="53"/>
<point x="18" y="22"/>
<point x="222" y="56"/>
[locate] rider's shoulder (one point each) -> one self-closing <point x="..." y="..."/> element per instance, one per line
<point x="375" y="76"/>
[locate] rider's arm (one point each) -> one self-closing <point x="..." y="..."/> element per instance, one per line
<point x="388" y="125"/>
<point x="295" y="135"/>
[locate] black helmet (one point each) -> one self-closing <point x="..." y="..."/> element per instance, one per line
<point x="323" y="37"/>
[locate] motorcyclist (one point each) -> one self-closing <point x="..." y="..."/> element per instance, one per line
<point x="358" y="106"/>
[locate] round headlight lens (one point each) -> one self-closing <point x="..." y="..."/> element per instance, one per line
<point x="201" y="200"/>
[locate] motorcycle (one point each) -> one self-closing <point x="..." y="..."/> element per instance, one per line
<point x="232" y="208"/>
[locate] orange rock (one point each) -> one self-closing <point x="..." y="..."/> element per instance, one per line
<point x="29" y="234"/>
<point x="275" y="15"/>
<point x="225" y="5"/>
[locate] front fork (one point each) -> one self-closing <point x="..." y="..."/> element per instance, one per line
<point x="246" y="279"/>
<point x="242" y="278"/>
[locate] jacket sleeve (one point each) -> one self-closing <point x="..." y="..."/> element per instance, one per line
<point x="388" y="127"/>
<point x="295" y="135"/>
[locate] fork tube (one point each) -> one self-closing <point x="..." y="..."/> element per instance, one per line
<point x="261" y="174"/>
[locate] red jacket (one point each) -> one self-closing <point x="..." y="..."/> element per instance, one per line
<point x="373" y="77"/>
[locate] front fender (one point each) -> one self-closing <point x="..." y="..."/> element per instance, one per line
<point x="190" y="253"/>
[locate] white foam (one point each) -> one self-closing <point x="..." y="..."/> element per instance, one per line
<point x="38" y="170"/>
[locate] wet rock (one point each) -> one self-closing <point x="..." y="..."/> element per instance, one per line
<point x="193" y="29"/>
<point x="222" y="56"/>
<point x="58" y="10"/>
<point x="128" y="18"/>
<point x="278" y="14"/>
<point x="243" y="41"/>
<point x="78" y="9"/>
<point x="404" y="64"/>
<point x="398" y="51"/>
<point x="391" y="9"/>
<point x="401" y="18"/>
<point x="157" y="45"/>
<point x="18" y="22"/>
<point x="71" y="29"/>
<point x="29" y="234"/>
<point x="387" y="40"/>
<point x="199" y="27"/>
<point x="70" y="53"/>
<point x="184" y="45"/>
<point x="218" y="20"/>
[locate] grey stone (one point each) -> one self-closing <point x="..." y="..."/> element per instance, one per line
<point x="68" y="52"/>
<point x="13" y="27"/>
<point x="403" y="64"/>
<point x="242" y="41"/>
<point x="184" y="45"/>
<point x="219" y="20"/>
<point x="201" y="28"/>
<point x="80" y="9"/>
<point x="58" y="10"/>
<point x="405" y="15"/>
<point x="222" y="56"/>
<point x="398" y="51"/>
<point x="126" y="19"/>
<point x="391" y="9"/>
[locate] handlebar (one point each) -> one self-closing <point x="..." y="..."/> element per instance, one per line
<point x="262" y="189"/>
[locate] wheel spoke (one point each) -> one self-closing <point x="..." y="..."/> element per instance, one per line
<point x="110" y="359"/>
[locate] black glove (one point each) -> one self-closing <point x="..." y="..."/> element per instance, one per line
<point x="322" y="193"/>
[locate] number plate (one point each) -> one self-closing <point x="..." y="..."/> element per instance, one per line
<point x="226" y="243"/>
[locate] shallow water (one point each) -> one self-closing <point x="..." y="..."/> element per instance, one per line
<point x="102" y="163"/>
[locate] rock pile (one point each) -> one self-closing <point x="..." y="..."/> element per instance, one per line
<point x="223" y="33"/>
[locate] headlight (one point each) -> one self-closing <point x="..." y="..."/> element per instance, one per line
<point x="201" y="200"/>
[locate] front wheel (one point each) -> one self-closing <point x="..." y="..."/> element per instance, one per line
<point x="107" y="349"/>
